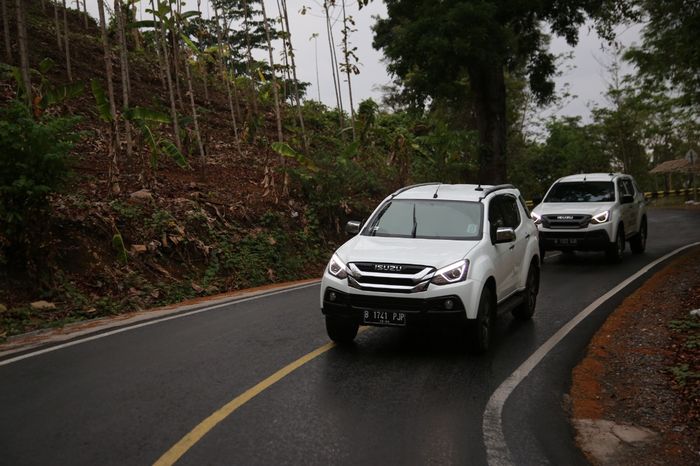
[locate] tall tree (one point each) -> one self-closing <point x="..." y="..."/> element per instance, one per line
<point x="669" y="48"/>
<point x="275" y="87"/>
<point x="23" y="51"/>
<point x="347" y="65"/>
<point x="334" y="61"/>
<point x="57" y="25"/>
<point x="295" y="82"/>
<point x="225" y="76"/>
<point x="460" y="52"/>
<point x="161" y="27"/>
<point x="6" y="32"/>
<point x="124" y="68"/>
<point x="67" y="42"/>
<point x="114" y="130"/>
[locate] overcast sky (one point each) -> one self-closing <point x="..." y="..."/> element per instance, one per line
<point x="585" y="73"/>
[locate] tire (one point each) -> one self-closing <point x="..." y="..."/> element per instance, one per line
<point x="480" y="331"/>
<point x="532" y="286"/>
<point x="341" y="329"/>
<point x="617" y="249"/>
<point x="638" y="243"/>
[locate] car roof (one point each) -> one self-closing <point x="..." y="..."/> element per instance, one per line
<point x="592" y="177"/>
<point x="451" y="192"/>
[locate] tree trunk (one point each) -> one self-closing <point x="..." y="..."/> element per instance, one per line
<point x="23" y="52"/>
<point x="65" y="35"/>
<point x="224" y="75"/>
<point x="6" y="33"/>
<point x="194" y="112"/>
<point x="175" y="48"/>
<point x="346" y="31"/>
<point x="295" y="82"/>
<point x="58" y="25"/>
<point x="124" y="62"/>
<point x="114" y="143"/>
<point x="275" y="90"/>
<point x="161" y="73"/>
<point x="490" y="108"/>
<point x="85" y="13"/>
<point x="252" y="97"/>
<point x="171" y="92"/>
<point x="334" y="64"/>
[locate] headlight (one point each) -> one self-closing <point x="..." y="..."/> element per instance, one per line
<point x="337" y="268"/>
<point x="454" y="273"/>
<point x="537" y="218"/>
<point x="601" y="217"/>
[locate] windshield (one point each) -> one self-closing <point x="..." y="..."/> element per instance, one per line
<point x="408" y="218"/>
<point x="582" y="191"/>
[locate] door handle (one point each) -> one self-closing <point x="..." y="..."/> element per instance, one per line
<point x="512" y="246"/>
<point x="527" y="236"/>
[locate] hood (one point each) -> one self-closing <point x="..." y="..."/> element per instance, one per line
<point x="589" y="208"/>
<point x="433" y="252"/>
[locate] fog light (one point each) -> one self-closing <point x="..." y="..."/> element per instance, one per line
<point x="449" y="304"/>
<point x="332" y="296"/>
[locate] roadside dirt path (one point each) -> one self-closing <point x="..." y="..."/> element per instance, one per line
<point x="636" y="395"/>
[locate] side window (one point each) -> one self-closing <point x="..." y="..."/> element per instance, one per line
<point x="511" y="213"/>
<point x="496" y="217"/>
<point x="627" y="183"/>
<point x="504" y="212"/>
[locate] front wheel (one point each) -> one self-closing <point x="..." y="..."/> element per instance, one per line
<point x="532" y="286"/>
<point x="639" y="241"/>
<point x="341" y="329"/>
<point x="617" y="249"/>
<point x="481" y="329"/>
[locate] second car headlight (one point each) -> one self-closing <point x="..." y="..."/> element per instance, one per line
<point x="453" y="273"/>
<point x="537" y="218"/>
<point x="337" y="268"/>
<point x="601" y="217"/>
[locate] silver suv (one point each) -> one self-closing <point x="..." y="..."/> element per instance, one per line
<point x="593" y="211"/>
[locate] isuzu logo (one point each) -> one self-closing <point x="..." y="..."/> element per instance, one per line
<point x="387" y="268"/>
<point x="565" y="217"/>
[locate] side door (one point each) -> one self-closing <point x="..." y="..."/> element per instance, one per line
<point x="504" y="258"/>
<point x="514" y="219"/>
<point x="628" y="209"/>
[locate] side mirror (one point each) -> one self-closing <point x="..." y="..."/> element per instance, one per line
<point x="627" y="199"/>
<point x="353" y="227"/>
<point x="504" y="235"/>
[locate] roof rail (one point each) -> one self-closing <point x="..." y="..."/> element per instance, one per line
<point x="492" y="189"/>
<point x="406" y="188"/>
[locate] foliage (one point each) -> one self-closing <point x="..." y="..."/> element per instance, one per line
<point x="669" y="48"/>
<point x="34" y="163"/>
<point x="457" y="53"/>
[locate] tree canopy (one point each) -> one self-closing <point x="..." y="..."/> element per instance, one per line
<point x="461" y="50"/>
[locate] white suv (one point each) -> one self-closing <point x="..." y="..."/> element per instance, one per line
<point x="593" y="211"/>
<point x="452" y="254"/>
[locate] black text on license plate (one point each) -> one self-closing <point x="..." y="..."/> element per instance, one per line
<point x="571" y="241"/>
<point x="384" y="318"/>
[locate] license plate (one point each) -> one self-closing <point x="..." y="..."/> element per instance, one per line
<point x="384" y="318"/>
<point x="571" y="241"/>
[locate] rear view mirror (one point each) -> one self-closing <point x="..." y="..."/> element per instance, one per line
<point x="353" y="227"/>
<point x="504" y="235"/>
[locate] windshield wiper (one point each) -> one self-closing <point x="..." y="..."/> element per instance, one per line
<point x="415" y="224"/>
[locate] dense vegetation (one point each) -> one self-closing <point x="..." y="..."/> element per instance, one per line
<point x="148" y="160"/>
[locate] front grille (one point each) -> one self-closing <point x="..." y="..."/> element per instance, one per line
<point x="389" y="277"/>
<point x="565" y="221"/>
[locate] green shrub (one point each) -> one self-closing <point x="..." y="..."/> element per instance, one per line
<point x="33" y="164"/>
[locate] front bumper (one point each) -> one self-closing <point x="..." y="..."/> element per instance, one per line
<point x="418" y="312"/>
<point x="568" y="240"/>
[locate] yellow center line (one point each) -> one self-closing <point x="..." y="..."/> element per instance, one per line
<point x="171" y="456"/>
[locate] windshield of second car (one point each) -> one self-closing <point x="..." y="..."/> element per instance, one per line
<point x="582" y="191"/>
<point x="408" y="218"/>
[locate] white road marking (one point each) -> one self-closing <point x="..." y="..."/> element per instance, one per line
<point x="497" y="451"/>
<point x="151" y="322"/>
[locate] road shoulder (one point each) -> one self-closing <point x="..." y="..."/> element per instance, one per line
<point x="636" y="394"/>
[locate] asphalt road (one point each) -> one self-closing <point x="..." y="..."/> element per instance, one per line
<point x="393" y="398"/>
